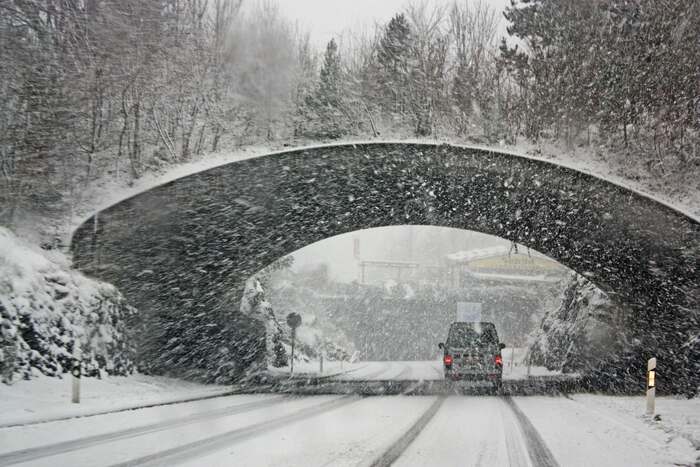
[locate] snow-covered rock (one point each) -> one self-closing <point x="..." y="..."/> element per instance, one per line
<point x="254" y="305"/>
<point x="45" y="307"/>
<point x="584" y="324"/>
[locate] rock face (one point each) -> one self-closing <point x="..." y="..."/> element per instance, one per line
<point x="45" y="308"/>
<point x="581" y="332"/>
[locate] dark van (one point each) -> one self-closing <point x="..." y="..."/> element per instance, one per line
<point x="472" y="352"/>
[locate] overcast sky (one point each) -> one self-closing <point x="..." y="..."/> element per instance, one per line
<point x="326" y="19"/>
<point x="423" y="244"/>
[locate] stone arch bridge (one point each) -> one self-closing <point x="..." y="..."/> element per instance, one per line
<point x="181" y="252"/>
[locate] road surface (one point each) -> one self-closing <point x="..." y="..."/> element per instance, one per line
<point x="513" y="368"/>
<point x="274" y="430"/>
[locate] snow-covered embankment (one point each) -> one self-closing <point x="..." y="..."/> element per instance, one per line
<point x="45" y="307"/>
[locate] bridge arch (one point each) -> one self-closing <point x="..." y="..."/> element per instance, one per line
<point x="181" y="248"/>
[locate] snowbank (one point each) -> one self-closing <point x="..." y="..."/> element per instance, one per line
<point x="43" y="398"/>
<point x="588" y="429"/>
<point x="45" y="307"/>
<point x="677" y="417"/>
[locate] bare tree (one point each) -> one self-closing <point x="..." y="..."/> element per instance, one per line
<point x="473" y="27"/>
<point x="430" y="48"/>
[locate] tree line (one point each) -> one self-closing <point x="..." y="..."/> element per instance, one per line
<point x="118" y="88"/>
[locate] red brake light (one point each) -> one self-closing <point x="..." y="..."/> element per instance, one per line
<point x="448" y="360"/>
<point x="499" y="360"/>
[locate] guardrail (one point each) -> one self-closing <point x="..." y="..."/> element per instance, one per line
<point x="319" y="385"/>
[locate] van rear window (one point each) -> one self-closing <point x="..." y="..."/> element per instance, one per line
<point x="471" y="334"/>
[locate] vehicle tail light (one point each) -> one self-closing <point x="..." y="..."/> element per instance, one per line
<point x="499" y="360"/>
<point x="447" y="359"/>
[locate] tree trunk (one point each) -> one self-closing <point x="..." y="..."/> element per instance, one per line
<point x="125" y="128"/>
<point x="136" y="145"/>
<point x="217" y="136"/>
<point x="200" y="140"/>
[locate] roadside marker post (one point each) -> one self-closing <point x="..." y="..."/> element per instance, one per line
<point x="529" y="364"/>
<point x="75" y="371"/>
<point x="651" y="386"/>
<point x="291" y="364"/>
<point x="293" y="321"/>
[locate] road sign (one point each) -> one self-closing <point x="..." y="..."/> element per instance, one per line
<point x="293" y="320"/>
<point x="469" y="312"/>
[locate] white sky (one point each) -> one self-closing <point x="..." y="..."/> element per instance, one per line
<point x="326" y="19"/>
<point x="403" y="243"/>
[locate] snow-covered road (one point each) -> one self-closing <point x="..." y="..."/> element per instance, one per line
<point x="272" y="430"/>
<point x="412" y="370"/>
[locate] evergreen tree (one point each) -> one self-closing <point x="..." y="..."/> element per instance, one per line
<point x="393" y="60"/>
<point x="620" y="65"/>
<point x="280" y="354"/>
<point x="329" y="118"/>
<point x="329" y="92"/>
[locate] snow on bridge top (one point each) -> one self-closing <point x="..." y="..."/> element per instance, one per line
<point x="109" y="194"/>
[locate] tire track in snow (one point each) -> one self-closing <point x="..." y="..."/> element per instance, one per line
<point x="24" y="455"/>
<point x="512" y="434"/>
<point x="539" y="453"/>
<point x="395" y="450"/>
<point x="197" y="448"/>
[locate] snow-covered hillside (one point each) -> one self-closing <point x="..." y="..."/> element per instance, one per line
<point x="45" y="307"/>
<point x="583" y="324"/>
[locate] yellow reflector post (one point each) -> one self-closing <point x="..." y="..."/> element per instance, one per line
<point x="651" y="386"/>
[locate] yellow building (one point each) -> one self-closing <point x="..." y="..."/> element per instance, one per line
<point x="502" y="264"/>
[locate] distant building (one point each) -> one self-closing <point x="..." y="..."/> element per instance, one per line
<point x="501" y="264"/>
<point x="378" y="272"/>
<point x="484" y="266"/>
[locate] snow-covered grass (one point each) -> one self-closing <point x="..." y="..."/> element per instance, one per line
<point x="44" y="398"/>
